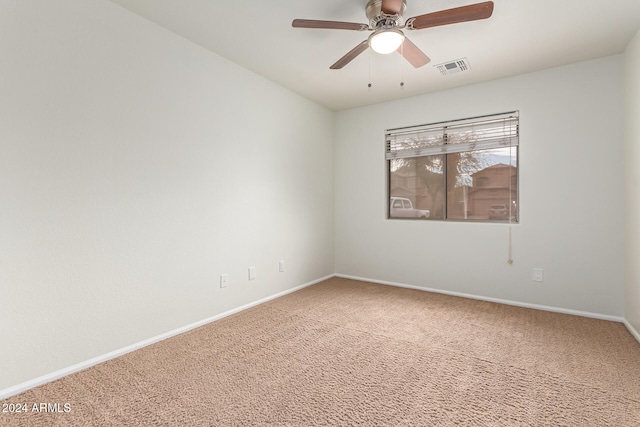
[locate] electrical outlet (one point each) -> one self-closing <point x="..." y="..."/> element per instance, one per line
<point x="252" y="273"/>
<point x="281" y="266"/>
<point x="537" y="275"/>
<point x="224" y="280"/>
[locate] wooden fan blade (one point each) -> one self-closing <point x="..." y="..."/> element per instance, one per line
<point x="391" y="7"/>
<point x="329" y="25"/>
<point x="351" y="55"/>
<point x="472" y="12"/>
<point x="413" y="54"/>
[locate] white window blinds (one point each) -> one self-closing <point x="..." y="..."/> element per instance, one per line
<point x="479" y="133"/>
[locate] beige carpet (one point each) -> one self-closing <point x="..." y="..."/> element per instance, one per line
<point x="347" y="353"/>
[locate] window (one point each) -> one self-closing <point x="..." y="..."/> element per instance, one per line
<point x="481" y="181"/>
<point x="463" y="170"/>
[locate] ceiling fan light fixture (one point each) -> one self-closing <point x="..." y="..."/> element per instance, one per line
<point x="386" y="40"/>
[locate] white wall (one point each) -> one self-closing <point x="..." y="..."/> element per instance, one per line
<point x="135" y="168"/>
<point x="632" y="178"/>
<point x="571" y="194"/>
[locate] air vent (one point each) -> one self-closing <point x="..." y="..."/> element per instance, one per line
<point x="453" y="67"/>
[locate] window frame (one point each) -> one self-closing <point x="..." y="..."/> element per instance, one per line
<point x="513" y="136"/>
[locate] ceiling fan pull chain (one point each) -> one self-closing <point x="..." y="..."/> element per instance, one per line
<point x="369" y="85"/>
<point x="402" y="66"/>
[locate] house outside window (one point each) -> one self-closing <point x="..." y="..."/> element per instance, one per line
<point x="463" y="170"/>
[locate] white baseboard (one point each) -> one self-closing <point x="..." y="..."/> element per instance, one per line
<point x="631" y="329"/>
<point x="19" y="388"/>
<point x="497" y="300"/>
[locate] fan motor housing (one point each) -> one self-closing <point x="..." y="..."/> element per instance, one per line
<point x="375" y="14"/>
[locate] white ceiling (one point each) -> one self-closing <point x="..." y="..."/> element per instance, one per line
<point x="521" y="36"/>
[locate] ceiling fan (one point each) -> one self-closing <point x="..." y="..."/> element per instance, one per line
<point x="386" y="22"/>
